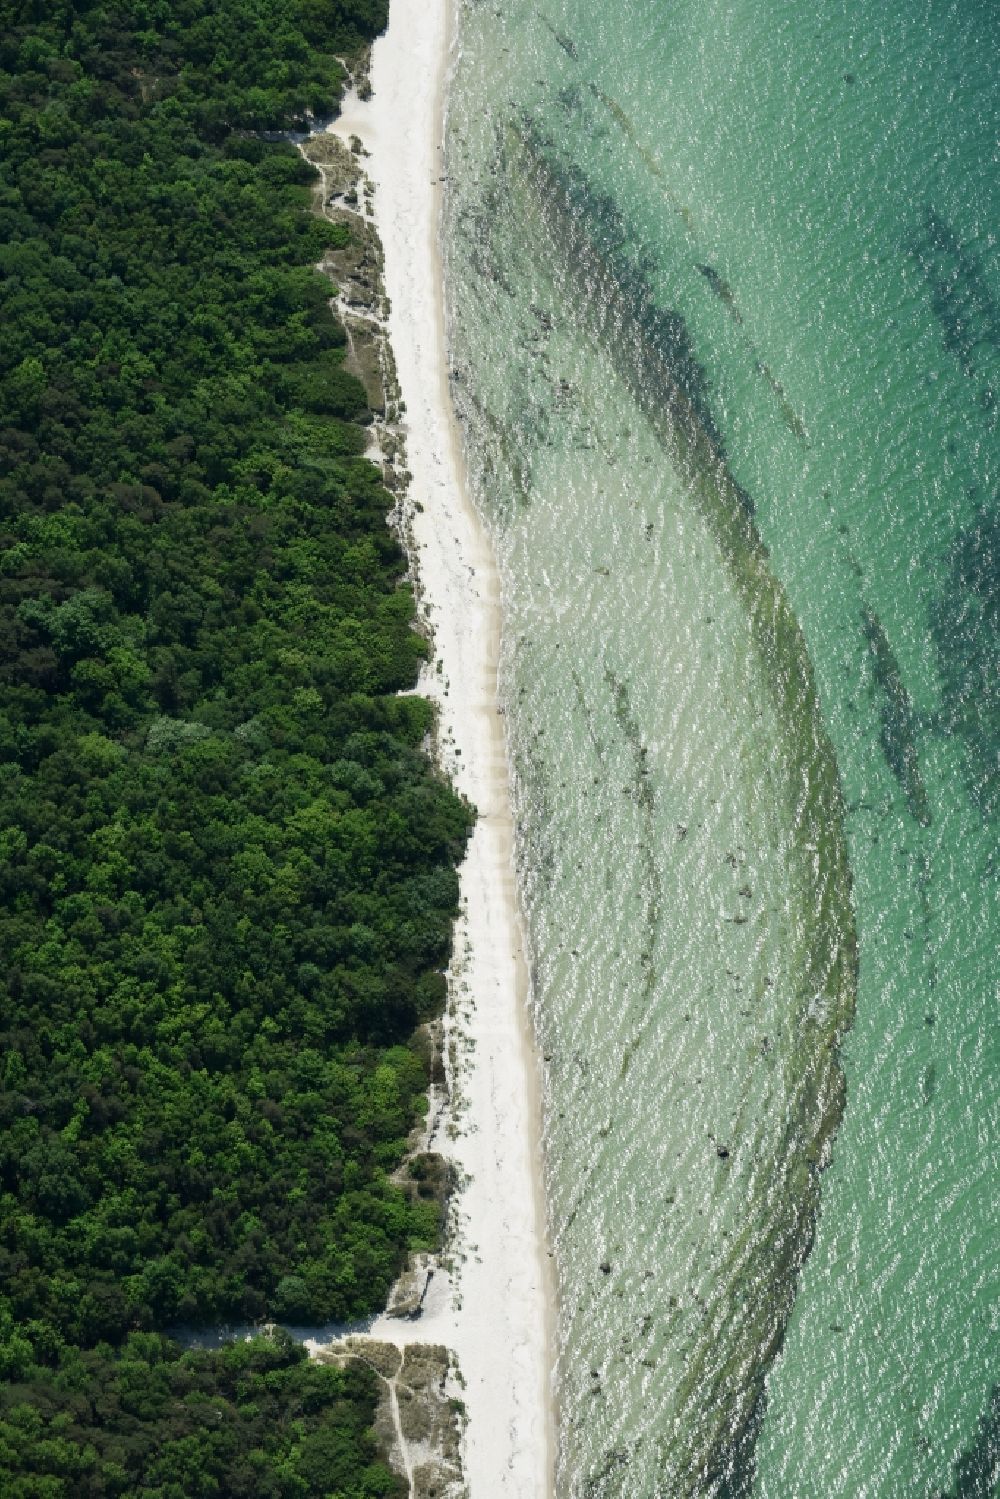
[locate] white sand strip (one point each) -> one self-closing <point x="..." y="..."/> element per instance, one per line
<point x="497" y="1312"/>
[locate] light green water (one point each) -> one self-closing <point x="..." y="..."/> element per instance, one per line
<point x="723" y="294"/>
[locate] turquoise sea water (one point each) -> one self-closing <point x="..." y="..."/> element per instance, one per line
<point x="724" y="307"/>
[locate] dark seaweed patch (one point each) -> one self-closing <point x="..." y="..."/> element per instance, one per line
<point x="565" y="42"/>
<point x="721" y="288"/>
<point x="977" y="1471"/>
<point x="965" y="626"/>
<point x="963" y="303"/>
<point x="897" y="734"/>
<point x="653" y="353"/>
<point x="642" y="793"/>
<point x="665" y="341"/>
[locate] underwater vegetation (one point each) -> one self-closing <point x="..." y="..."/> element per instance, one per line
<point x="708" y="1445"/>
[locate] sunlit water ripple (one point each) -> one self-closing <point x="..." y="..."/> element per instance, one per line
<point x="724" y="321"/>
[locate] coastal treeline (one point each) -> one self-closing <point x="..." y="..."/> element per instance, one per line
<point x="228" y="870"/>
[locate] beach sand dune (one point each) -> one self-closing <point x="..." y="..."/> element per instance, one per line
<point x="494" y="1308"/>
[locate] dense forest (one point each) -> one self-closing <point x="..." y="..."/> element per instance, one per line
<point x="228" y="871"/>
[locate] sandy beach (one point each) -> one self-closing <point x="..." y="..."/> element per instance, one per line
<point x="495" y="1308"/>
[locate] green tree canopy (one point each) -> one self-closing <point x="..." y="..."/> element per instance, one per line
<point x="228" y="872"/>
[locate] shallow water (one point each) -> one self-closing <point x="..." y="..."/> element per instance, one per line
<point x="724" y="315"/>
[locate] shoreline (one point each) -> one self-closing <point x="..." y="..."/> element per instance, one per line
<point x="495" y="1306"/>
